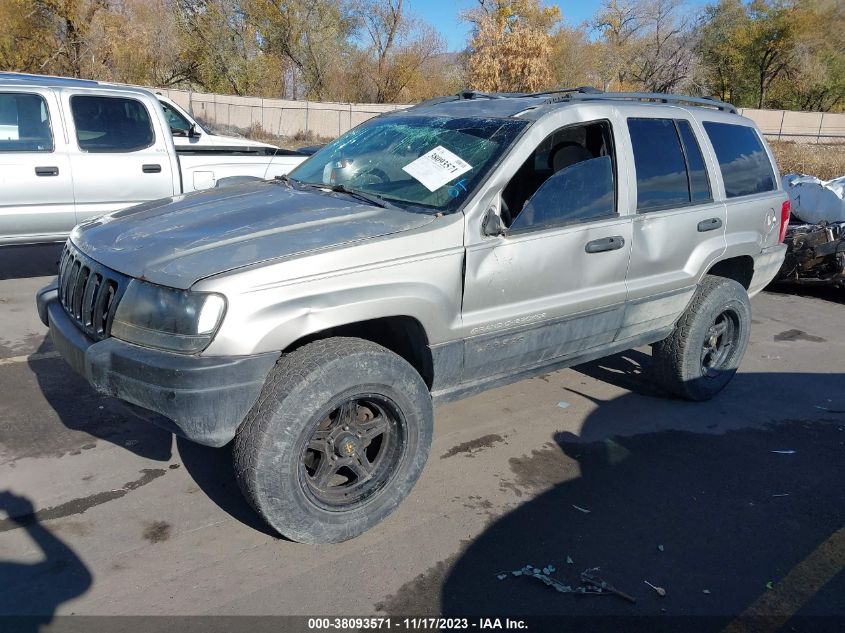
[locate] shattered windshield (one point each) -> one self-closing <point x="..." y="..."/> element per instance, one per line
<point x="418" y="163"/>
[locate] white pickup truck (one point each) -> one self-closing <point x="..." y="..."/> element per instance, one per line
<point x="72" y="149"/>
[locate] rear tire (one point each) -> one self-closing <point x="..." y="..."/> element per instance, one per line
<point x="703" y="352"/>
<point x="337" y="439"/>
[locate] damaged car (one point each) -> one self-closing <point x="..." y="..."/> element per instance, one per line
<point x="426" y="255"/>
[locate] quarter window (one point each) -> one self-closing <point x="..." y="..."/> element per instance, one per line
<point x="663" y="178"/>
<point x="111" y="124"/>
<point x="24" y="123"/>
<point x="746" y="168"/>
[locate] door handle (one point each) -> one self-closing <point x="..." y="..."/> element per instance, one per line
<point x="605" y="244"/>
<point x="710" y="224"/>
<point x="46" y="171"/>
<point x="151" y="169"/>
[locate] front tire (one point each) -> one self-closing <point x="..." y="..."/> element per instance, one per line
<point x="703" y="352"/>
<point x="337" y="439"/>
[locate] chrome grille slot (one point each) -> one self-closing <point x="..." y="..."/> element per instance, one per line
<point x="89" y="292"/>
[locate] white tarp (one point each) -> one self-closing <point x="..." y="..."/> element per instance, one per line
<point x="815" y="200"/>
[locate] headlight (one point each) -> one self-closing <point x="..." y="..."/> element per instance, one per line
<point x="175" y="320"/>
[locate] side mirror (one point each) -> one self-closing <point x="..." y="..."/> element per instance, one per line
<point x="192" y="131"/>
<point x="493" y="225"/>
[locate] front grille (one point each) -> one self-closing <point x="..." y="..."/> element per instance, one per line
<point x="89" y="292"/>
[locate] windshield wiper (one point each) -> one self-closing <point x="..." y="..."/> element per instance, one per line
<point x="372" y="199"/>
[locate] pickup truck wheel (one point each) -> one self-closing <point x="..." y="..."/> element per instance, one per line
<point x="336" y="441"/>
<point x="703" y="352"/>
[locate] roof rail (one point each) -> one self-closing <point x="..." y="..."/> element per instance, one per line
<point x="43" y="80"/>
<point x="648" y="97"/>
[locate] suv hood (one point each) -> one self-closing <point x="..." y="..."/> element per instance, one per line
<point x="178" y="241"/>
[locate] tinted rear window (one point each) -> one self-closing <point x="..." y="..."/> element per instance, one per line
<point x="111" y="124"/>
<point x="659" y="161"/>
<point x="745" y="166"/>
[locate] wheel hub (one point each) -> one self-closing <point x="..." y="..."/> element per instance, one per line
<point x="346" y="445"/>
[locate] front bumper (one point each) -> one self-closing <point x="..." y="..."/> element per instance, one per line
<point x="205" y="398"/>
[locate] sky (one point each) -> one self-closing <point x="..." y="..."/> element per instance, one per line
<point x="444" y="15"/>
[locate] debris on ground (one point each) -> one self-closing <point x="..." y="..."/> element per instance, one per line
<point x="660" y="547"/>
<point x="660" y="590"/>
<point x="815" y="254"/>
<point x="770" y="585"/>
<point x="563" y="405"/>
<point x="580" y="509"/>
<point x="591" y="584"/>
<point x="815" y="239"/>
<point x="707" y="591"/>
<point x="784" y="452"/>
<point x="569" y="561"/>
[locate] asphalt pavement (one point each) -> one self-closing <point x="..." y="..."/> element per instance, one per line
<point x="734" y="507"/>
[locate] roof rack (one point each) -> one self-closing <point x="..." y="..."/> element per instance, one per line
<point x="646" y="97"/>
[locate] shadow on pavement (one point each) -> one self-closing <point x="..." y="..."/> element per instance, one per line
<point x="36" y="590"/>
<point x="691" y="497"/>
<point x="827" y="293"/>
<point x="81" y="408"/>
<point x="36" y="260"/>
<point x="213" y="472"/>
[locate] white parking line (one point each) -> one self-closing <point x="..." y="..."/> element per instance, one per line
<point x="23" y="359"/>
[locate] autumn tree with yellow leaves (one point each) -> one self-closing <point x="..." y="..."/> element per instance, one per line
<point x="511" y="47"/>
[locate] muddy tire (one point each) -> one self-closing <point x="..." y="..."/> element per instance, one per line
<point x="703" y="352"/>
<point x="337" y="439"/>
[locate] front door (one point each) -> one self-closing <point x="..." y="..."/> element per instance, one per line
<point x="554" y="284"/>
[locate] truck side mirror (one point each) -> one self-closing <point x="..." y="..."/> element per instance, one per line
<point x="493" y="225"/>
<point x="192" y="131"/>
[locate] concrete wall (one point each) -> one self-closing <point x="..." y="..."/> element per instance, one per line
<point x="286" y="118"/>
<point x="804" y="127"/>
<point x="278" y="116"/>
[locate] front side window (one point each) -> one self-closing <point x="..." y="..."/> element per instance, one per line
<point x="24" y="123"/>
<point x="111" y="124"/>
<point x="746" y="168"/>
<point x="419" y="163"/>
<point x="568" y="178"/>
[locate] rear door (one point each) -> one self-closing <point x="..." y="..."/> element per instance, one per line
<point x="679" y="225"/>
<point x="36" y="188"/>
<point x="120" y="153"/>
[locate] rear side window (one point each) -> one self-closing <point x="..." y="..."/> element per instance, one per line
<point x="24" y="123"/>
<point x="745" y="166"/>
<point x="111" y="124"/>
<point x="659" y="160"/>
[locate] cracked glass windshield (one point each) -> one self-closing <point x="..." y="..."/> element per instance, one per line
<point x="417" y="163"/>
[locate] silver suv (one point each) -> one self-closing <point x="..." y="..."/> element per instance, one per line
<point x="426" y="255"/>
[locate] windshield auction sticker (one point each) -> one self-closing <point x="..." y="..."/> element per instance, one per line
<point x="437" y="167"/>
